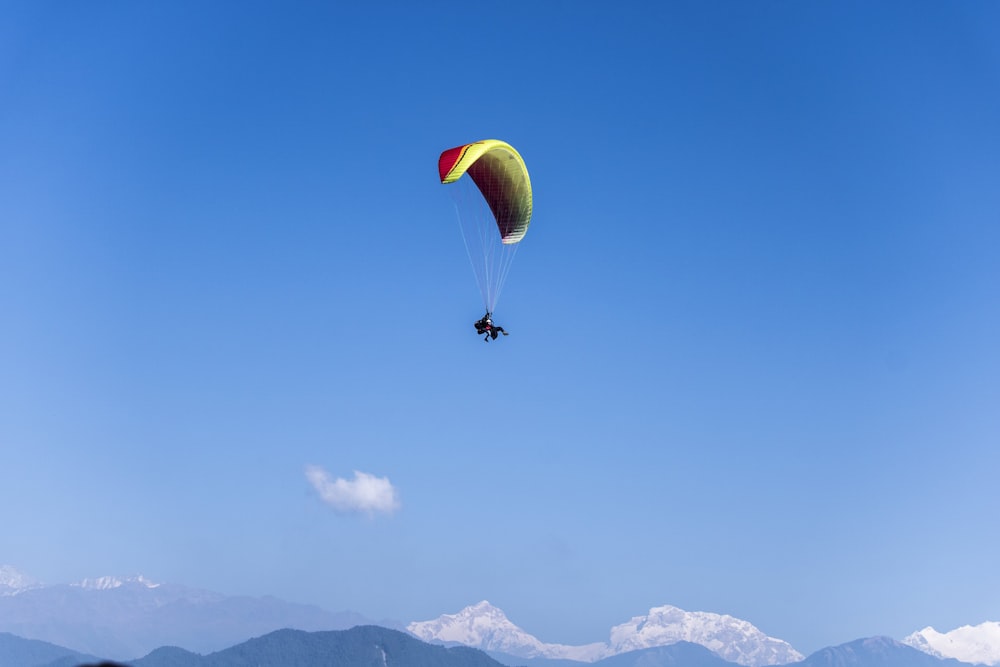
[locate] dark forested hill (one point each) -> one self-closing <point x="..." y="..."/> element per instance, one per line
<point x="363" y="646"/>
<point x="19" y="652"/>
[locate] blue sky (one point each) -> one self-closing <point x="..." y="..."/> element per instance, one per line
<point x="752" y="366"/>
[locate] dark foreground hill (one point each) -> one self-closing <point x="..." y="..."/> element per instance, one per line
<point x="875" y="652"/>
<point x="19" y="652"/>
<point x="374" y="646"/>
<point x="362" y="646"/>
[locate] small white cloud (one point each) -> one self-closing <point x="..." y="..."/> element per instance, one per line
<point x="365" y="494"/>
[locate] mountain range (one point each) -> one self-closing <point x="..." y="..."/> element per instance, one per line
<point x="126" y="617"/>
<point x="484" y="626"/>
<point x="361" y="646"/>
<point x="122" y="618"/>
<point x="373" y="646"/>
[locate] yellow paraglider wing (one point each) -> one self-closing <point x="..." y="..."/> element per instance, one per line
<point x="499" y="173"/>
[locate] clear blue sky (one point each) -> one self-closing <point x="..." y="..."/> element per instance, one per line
<point x="225" y="257"/>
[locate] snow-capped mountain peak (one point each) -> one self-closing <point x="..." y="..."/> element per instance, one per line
<point x="734" y="639"/>
<point x="13" y="581"/>
<point x="471" y="624"/>
<point x="977" y="644"/>
<point x="107" y="583"/>
<point x="486" y="627"/>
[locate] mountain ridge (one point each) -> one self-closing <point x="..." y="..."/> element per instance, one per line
<point x="121" y="618"/>
<point x="875" y="652"/>
<point x="486" y="627"/>
<point x="374" y="646"/>
<point x="124" y="617"/>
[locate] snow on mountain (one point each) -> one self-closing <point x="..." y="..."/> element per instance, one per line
<point x="731" y="638"/>
<point x="977" y="644"/>
<point x="107" y="583"/>
<point x="13" y="581"/>
<point x="124" y="617"/>
<point x="485" y="627"/>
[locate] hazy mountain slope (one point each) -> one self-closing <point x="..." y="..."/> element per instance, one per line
<point x="126" y="618"/>
<point x="684" y="654"/>
<point x="875" y="652"/>
<point x="679" y="654"/>
<point x="169" y="656"/>
<point x="20" y="652"/>
<point x="515" y="661"/>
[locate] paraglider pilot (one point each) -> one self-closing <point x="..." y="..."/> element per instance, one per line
<point x="486" y="326"/>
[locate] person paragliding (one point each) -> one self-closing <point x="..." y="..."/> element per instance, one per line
<point x="493" y="215"/>
<point x="485" y="326"/>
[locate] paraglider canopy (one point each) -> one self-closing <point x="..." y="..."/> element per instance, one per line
<point x="493" y="206"/>
<point x="502" y="178"/>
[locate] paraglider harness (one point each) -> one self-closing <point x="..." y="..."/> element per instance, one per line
<point x="485" y="326"/>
